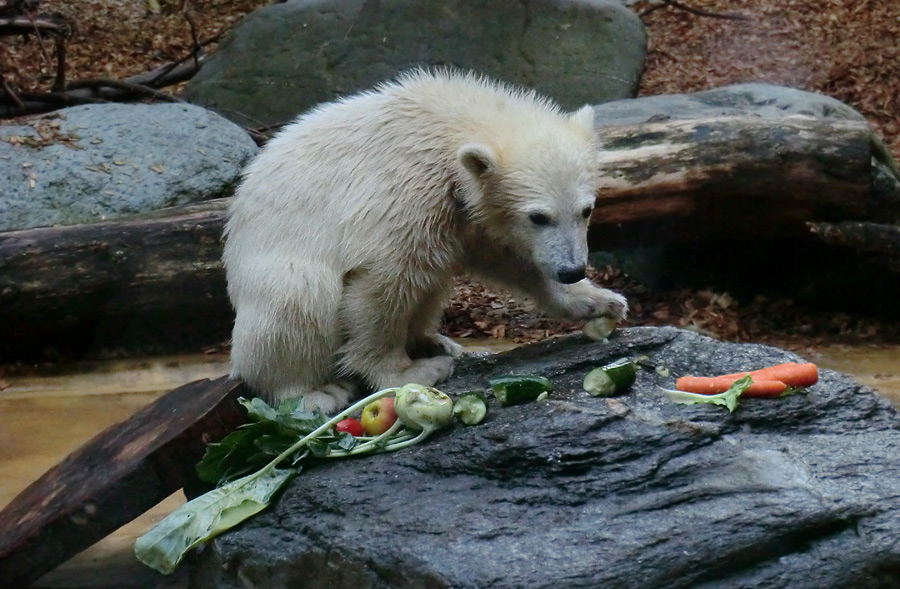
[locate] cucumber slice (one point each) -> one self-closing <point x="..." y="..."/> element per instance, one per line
<point x="519" y="388"/>
<point x="610" y="379"/>
<point x="470" y="408"/>
<point x="599" y="329"/>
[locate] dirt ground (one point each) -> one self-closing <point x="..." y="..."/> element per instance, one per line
<point x="844" y="48"/>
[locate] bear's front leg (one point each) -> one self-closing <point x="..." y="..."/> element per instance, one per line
<point x="381" y="325"/>
<point x="584" y="300"/>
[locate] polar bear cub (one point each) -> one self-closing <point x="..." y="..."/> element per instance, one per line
<point x="344" y="237"/>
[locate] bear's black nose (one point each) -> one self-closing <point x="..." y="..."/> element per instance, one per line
<point x="571" y="275"/>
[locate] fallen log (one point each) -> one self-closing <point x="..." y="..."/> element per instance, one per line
<point x="741" y="177"/>
<point x="880" y="241"/>
<point x="118" y="475"/>
<point x="149" y="283"/>
<point x="862" y="237"/>
<point x="156" y="282"/>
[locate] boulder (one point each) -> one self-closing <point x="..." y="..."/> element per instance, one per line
<point x="760" y="100"/>
<point x="287" y="57"/>
<point x="575" y="491"/>
<point x="101" y="161"/>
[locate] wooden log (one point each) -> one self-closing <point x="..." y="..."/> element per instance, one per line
<point x="149" y="284"/>
<point x="737" y="176"/>
<point x="115" y="477"/>
<point x="877" y="241"/>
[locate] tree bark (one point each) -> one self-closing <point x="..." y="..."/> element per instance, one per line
<point x="878" y="240"/>
<point x="153" y="283"/>
<point x="737" y="177"/>
<point x="116" y="476"/>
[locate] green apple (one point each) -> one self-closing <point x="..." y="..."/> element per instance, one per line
<point x="378" y="416"/>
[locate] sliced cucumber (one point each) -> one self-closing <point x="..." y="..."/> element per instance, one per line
<point x="610" y="379"/>
<point x="599" y="329"/>
<point x="519" y="388"/>
<point x="470" y="408"/>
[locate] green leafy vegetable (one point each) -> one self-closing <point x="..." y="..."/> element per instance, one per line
<point x="273" y="436"/>
<point x="271" y="432"/>
<point x="729" y="398"/>
<point x="195" y="522"/>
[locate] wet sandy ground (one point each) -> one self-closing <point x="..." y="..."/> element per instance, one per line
<point x="44" y="417"/>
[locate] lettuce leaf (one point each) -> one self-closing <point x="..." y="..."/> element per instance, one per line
<point x="729" y="398"/>
<point x="195" y="522"/>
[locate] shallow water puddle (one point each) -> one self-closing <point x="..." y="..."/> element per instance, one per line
<point x="877" y="367"/>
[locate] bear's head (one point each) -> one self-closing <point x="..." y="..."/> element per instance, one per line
<point x="533" y="191"/>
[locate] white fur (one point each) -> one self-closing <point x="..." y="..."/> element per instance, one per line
<point x="344" y="237"/>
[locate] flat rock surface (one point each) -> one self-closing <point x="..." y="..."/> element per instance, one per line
<point x="576" y="491"/>
<point x="100" y="161"/>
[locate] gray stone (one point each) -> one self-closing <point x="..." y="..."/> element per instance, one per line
<point x="761" y="100"/>
<point x="285" y="58"/>
<point x="576" y="491"/>
<point x="95" y="162"/>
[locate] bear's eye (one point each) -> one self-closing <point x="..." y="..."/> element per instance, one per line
<point x="539" y="219"/>
<point x="586" y="213"/>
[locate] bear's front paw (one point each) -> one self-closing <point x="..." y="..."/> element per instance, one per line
<point x="585" y="300"/>
<point x="329" y="400"/>
<point x="427" y="371"/>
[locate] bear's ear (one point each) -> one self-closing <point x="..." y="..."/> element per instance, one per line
<point x="583" y="118"/>
<point x="479" y="159"/>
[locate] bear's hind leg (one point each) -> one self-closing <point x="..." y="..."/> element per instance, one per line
<point x="285" y="342"/>
<point x="377" y="329"/>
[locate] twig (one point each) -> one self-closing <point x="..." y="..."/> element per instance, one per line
<point x="94" y="91"/>
<point x="195" y="45"/>
<point x="40" y="102"/>
<point x="23" y="25"/>
<point x="261" y="135"/>
<point x="197" y="56"/>
<point x="11" y="93"/>
<point x="136" y="89"/>
<point x="692" y="10"/>
<point x="59" y="84"/>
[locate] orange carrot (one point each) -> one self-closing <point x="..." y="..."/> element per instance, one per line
<point x="792" y="374"/>
<point x="713" y="385"/>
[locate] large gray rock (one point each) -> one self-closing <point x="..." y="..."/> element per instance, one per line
<point x="633" y="491"/>
<point x="758" y="100"/>
<point x="285" y="58"/>
<point x="96" y="162"/>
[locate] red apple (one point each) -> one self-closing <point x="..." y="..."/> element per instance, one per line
<point x="351" y="426"/>
<point x="378" y="416"/>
